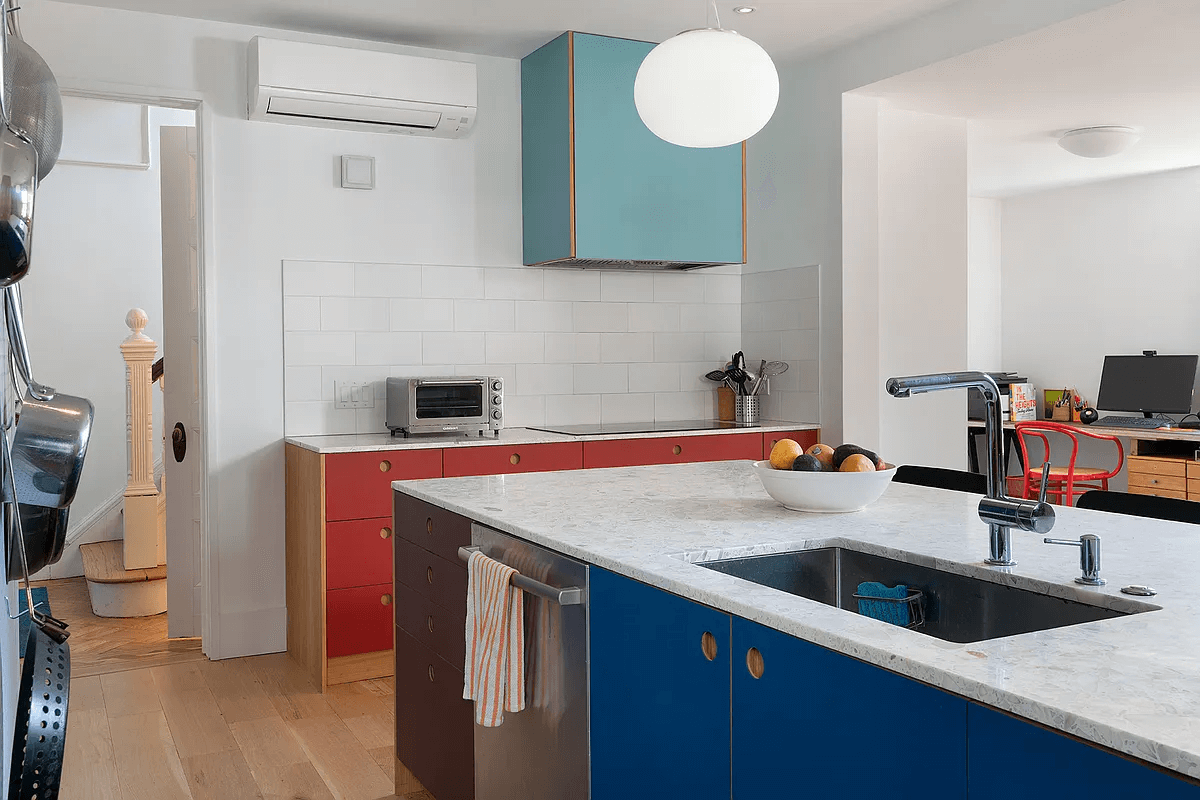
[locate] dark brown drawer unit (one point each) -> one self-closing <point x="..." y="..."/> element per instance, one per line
<point x="439" y="531"/>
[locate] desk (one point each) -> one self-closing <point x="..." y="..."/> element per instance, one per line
<point x="1161" y="462"/>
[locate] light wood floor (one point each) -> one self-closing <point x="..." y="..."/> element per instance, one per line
<point x="156" y="720"/>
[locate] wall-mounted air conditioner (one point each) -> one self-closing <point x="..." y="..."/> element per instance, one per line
<point x="340" y="87"/>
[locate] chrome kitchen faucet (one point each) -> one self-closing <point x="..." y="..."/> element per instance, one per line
<point x="1000" y="512"/>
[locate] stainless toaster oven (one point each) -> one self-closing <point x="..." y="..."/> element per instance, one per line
<point x="445" y="405"/>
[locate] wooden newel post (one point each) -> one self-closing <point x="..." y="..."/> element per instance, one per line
<point x="141" y="495"/>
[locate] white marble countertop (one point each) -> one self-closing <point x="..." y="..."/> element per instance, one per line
<point x="372" y="442"/>
<point x="1130" y="683"/>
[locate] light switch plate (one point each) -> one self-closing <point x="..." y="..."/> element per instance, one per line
<point x="358" y="172"/>
<point x="353" y="394"/>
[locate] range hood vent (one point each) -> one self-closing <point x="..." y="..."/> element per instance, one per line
<point x="603" y="263"/>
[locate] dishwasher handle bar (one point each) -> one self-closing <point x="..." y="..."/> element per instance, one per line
<point x="569" y="596"/>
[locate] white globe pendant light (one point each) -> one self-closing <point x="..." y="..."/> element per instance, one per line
<point x="706" y="88"/>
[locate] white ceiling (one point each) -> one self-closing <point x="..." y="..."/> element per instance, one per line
<point x="515" y="28"/>
<point x="1136" y="63"/>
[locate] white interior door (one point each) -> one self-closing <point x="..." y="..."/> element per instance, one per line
<point x="182" y="464"/>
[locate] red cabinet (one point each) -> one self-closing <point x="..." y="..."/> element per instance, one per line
<point x="505" y="460"/>
<point x="358" y="620"/>
<point x="805" y="439"/>
<point x="359" y="485"/>
<point x="358" y="553"/>
<point x="672" y="450"/>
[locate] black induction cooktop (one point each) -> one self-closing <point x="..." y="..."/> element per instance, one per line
<point x="641" y="427"/>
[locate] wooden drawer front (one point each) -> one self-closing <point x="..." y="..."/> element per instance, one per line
<point x="435" y="735"/>
<point x="501" y="460"/>
<point x="1157" y="492"/>
<point x="439" y="531"/>
<point x="433" y="626"/>
<point x="444" y="582"/>
<point x="1157" y="466"/>
<point x="1193" y="489"/>
<point x="672" y="450"/>
<point x="805" y="439"/>
<point x="359" y="485"/>
<point x="358" y="553"/>
<point x="1193" y="470"/>
<point x="1152" y="481"/>
<point x="358" y="620"/>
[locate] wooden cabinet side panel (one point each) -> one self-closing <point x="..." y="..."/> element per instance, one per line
<point x="304" y="487"/>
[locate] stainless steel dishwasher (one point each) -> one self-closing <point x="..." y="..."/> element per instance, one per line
<point x="541" y="753"/>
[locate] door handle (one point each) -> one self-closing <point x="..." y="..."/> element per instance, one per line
<point x="178" y="442"/>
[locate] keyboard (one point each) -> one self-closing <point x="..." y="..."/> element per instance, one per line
<point x="1133" y="422"/>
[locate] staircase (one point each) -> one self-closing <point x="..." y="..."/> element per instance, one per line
<point x="128" y="577"/>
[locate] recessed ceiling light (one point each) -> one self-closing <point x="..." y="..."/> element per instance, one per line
<point x="743" y="9"/>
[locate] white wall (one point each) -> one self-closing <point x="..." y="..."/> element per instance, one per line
<point x="573" y="346"/>
<point x="98" y="253"/>
<point x="795" y="163"/>
<point x="984" y="297"/>
<point x="781" y="321"/>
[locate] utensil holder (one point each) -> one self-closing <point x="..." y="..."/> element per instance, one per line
<point x="746" y="410"/>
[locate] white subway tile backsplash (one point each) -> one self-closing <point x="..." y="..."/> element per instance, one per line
<point x="679" y="287"/>
<point x="717" y="317"/>
<point x="515" y="348"/>
<point x="766" y="344"/>
<point x="454" y="282"/>
<point x="601" y="317"/>
<point x="301" y="384"/>
<point x="626" y="287"/>
<point x="653" y="317"/>
<point x="317" y="278"/>
<point x="801" y="345"/>
<point x="545" y="315"/>
<point x="680" y="405"/>
<point x="387" y="280"/>
<point x="384" y="349"/>
<point x="722" y="288"/>
<point x="573" y="348"/>
<point x="601" y="378"/>
<point x="507" y="372"/>
<point x="371" y="420"/>
<point x="485" y="315"/>
<point x="302" y="313"/>
<point x="422" y="315"/>
<point x="513" y="284"/>
<point x="626" y="347"/>
<point x="303" y="348"/>
<point x="373" y="374"/>
<point x="626" y="408"/>
<point x="316" y="419"/>
<point x="570" y="284"/>
<point x="678" y="347"/>
<point x="354" y="314"/>
<point x="451" y="348"/>
<point x="543" y="379"/>
<point x="657" y="377"/>
<point x="720" y="347"/>
<point x="781" y="320"/>
<point x="691" y="375"/>
<point x="573" y="409"/>
<point x="524" y="411"/>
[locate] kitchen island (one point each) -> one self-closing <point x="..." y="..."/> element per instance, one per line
<point x="1129" y="684"/>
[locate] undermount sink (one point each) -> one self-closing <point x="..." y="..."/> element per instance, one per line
<point x="955" y="608"/>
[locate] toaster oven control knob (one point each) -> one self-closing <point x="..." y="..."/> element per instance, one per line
<point x="497" y="399"/>
<point x="497" y="414"/>
<point x="497" y="386"/>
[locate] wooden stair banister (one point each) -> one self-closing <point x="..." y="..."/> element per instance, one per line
<point x="141" y="549"/>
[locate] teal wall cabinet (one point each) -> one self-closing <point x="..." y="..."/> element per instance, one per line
<point x="599" y="188"/>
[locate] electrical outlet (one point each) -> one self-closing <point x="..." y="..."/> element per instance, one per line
<point x="353" y="394"/>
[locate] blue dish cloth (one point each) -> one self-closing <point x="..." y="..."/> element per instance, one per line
<point x="895" y="613"/>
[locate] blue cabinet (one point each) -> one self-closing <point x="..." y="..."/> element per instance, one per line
<point x="1009" y="758"/>
<point x="821" y="724"/>
<point x="659" y="706"/>
<point x="599" y="186"/>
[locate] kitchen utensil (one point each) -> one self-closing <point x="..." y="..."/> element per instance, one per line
<point x="19" y="346"/>
<point x="45" y="533"/>
<point x="717" y="376"/>
<point x="34" y="103"/>
<point x="49" y="447"/>
<point x="746" y="410"/>
<point x="824" y="492"/>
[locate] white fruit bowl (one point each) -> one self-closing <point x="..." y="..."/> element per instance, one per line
<point x="824" y="492"/>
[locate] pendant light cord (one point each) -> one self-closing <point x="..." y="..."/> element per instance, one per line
<point x="716" y="14"/>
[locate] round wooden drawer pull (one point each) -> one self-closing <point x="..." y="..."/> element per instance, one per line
<point x="385" y="600"/>
<point x="429" y="623"/>
<point x="754" y="662"/>
<point x="429" y="574"/>
<point x="429" y="525"/>
<point x="385" y="466"/>
<point x="514" y="459"/>
<point x="432" y="677"/>
<point x="708" y="646"/>
<point x="676" y="449"/>
<point x="385" y="533"/>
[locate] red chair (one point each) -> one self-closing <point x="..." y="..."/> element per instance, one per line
<point x="1065" y="482"/>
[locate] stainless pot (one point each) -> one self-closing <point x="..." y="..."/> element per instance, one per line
<point x="48" y="449"/>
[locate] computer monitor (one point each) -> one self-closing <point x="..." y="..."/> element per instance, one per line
<point x="1149" y="384"/>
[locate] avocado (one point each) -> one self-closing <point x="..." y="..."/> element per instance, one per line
<point x="847" y="450"/>
<point x="806" y="463"/>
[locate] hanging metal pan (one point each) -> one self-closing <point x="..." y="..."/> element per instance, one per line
<point x="45" y="533"/>
<point x="41" y="721"/>
<point x="48" y="449"/>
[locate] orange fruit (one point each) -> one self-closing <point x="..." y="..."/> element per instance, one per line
<point x="858" y="463"/>
<point x="823" y="453"/>
<point x="784" y="453"/>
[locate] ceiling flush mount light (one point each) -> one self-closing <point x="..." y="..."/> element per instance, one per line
<point x="1099" y="142"/>
<point x="706" y="88"/>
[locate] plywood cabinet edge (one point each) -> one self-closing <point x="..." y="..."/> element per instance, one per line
<point x="304" y="554"/>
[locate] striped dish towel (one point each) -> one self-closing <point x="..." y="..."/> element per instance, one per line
<point x="495" y="666"/>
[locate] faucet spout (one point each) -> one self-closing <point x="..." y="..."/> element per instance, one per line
<point x="999" y="511"/>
